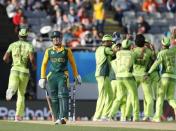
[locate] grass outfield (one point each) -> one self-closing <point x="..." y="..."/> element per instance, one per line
<point x="48" y="126"/>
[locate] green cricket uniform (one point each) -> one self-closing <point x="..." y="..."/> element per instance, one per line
<point x="167" y="59"/>
<point x="125" y="61"/>
<point x="102" y="76"/>
<point x="118" y="92"/>
<point x="142" y="59"/>
<point x="58" y="78"/>
<point x="154" y="76"/>
<point x="19" y="75"/>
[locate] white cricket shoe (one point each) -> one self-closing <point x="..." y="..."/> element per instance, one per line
<point x="58" y="121"/>
<point x="9" y="94"/>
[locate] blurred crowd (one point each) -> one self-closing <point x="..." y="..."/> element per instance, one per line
<point x="82" y="22"/>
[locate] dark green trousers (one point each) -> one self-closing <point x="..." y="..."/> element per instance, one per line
<point x="59" y="95"/>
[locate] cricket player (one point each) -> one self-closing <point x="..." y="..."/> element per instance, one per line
<point x="58" y="78"/>
<point x="154" y="76"/>
<point x="142" y="60"/>
<point x="103" y="55"/>
<point x="119" y="93"/>
<point x="167" y="59"/>
<point x="21" y="53"/>
<point x="125" y="79"/>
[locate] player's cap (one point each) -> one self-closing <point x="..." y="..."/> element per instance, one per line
<point x="56" y="34"/>
<point x="126" y="43"/>
<point x="165" y="41"/>
<point x="107" y="37"/>
<point x="23" y="32"/>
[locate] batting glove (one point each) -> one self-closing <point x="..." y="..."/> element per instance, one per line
<point x="42" y="83"/>
<point x="78" y="80"/>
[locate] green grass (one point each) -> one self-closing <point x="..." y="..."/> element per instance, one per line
<point x="13" y="126"/>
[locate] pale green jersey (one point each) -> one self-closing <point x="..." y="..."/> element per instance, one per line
<point x="20" y="51"/>
<point x="124" y="63"/>
<point x="102" y="56"/>
<point x="141" y="61"/>
<point x="167" y="59"/>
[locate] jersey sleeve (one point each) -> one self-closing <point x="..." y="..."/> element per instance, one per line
<point x="157" y="62"/>
<point x="31" y="48"/>
<point x="44" y="64"/>
<point x="72" y="62"/>
<point x="9" y="48"/>
<point x="108" y="51"/>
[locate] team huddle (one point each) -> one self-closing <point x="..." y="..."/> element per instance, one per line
<point x="122" y="66"/>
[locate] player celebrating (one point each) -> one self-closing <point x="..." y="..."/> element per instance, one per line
<point x="167" y="59"/>
<point x="21" y="52"/>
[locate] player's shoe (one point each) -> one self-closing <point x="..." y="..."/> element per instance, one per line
<point x="147" y="119"/>
<point x="58" y="121"/>
<point x="18" y="118"/>
<point x="63" y="121"/>
<point x="9" y="94"/>
<point x="156" y="119"/>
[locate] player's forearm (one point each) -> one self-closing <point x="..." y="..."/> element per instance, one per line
<point x="154" y="67"/>
<point x="6" y="57"/>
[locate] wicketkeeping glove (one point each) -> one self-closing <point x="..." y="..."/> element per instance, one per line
<point x="78" y="80"/>
<point x="42" y="83"/>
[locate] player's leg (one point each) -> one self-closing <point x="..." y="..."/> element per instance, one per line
<point x="118" y="95"/>
<point x="170" y="94"/>
<point x="13" y="84"/>
<point x="53" y="88"/>
<point x="108" y="98"/>
<point x="63" y="95"/>
<point x="101" y="97"/>
<point x="130" y="84"/>
<point x="148" y="98"/>
<point x="20" y="104"/>
<point x="123" y="107"/>
<point x="162" y="88"/>
<point x="129" y="107"/>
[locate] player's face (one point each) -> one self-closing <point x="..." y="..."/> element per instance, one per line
<point x="108" y="43"/>
<point x="57" y="41"/>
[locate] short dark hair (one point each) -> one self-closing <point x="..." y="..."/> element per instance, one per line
<point x="140" y="40"/>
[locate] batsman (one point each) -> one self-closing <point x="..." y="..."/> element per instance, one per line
<point x="58" y="77"/>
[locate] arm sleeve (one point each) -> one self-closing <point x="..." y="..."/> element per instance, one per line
<point x="109" y="51"/>
<point x="31" y="49"/>
<point x="9" y="49"/>
<point x="72" y="62"/>
<point x="155" y="64"/>
<point x="44" y="64"/>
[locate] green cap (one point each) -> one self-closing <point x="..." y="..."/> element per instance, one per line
<point x="126" y="43"/>
<point x="166" y="41"/>
<point x="107" y="37"/>
<point x="23" y="32"/>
